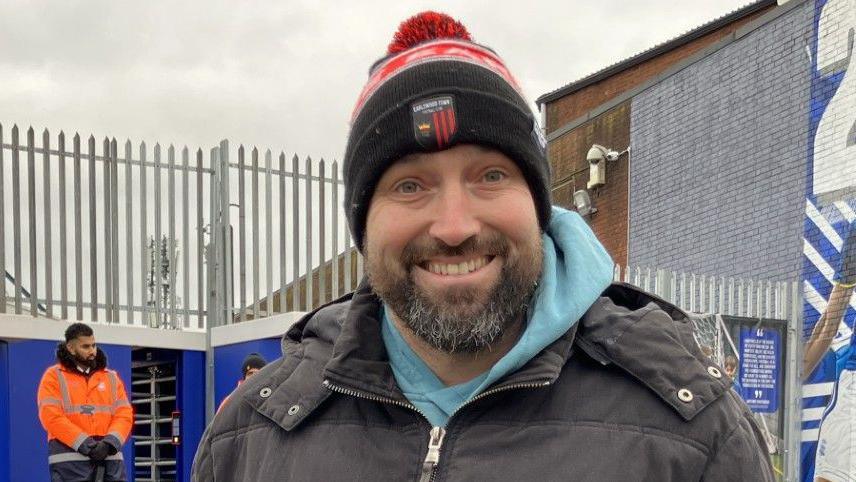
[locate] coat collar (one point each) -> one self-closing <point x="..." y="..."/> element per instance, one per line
<point x="652" y="340"/>
<point x="67" y="361"/>
<point x="341" y="343"/>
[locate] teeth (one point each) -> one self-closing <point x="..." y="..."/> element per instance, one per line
<point x="463" y="267"/>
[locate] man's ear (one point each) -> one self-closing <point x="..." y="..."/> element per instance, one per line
<point x="69" y="345"/>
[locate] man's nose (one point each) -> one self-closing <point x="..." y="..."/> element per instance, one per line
<point x="454" y="218"/>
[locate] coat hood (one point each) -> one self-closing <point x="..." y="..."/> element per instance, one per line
<point x="66" y="359"/>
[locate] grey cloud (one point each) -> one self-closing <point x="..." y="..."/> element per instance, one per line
<point x="282" y="75"/>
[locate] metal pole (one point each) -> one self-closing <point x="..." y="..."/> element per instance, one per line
<point x="793" y="390"/>
<point x="213" y="306"/>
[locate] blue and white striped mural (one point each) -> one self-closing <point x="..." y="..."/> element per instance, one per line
<point x="829" y="371"/>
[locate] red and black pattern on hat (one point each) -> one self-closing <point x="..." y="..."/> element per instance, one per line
<point x="426" y="37"/>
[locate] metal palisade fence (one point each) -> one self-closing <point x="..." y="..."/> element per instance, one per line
<point x="699" y="293"/>
<point x="164" y="237"/>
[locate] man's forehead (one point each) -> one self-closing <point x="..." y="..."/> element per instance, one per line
<point x="415" y="157"/>
<point x="84" y="340"/>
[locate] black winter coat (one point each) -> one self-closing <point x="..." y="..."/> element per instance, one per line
<point x="625" y="395"/>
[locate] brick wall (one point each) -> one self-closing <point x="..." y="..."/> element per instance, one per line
<point x="718" y="172"/>
<point x="567" y="156"/>
<point x="610" y="129"/>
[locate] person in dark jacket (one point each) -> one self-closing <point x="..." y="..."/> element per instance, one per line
<point x="487" y="341"/>
<point x="252" y="364"/>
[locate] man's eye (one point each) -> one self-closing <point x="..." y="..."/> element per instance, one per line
<point x="407" y="187"/>
<point x="494" y="176"/>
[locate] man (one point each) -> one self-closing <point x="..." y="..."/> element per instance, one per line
<point x="84" y="409"/>
<point x="252" y="364"/>
<point x="835" y="458"/>
<point x="486" y="342"/>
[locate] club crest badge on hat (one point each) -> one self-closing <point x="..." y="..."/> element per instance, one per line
<point x="434" y="121"/>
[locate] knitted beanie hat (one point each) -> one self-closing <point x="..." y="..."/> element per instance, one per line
<point x="253" y="360"/>
<point x="435" y="89"/>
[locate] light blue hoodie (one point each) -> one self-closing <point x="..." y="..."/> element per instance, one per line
<point x="576" y="269"/>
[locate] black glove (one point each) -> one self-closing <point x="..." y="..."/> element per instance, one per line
<point x="100" y="451"/>
<point x="846" y="274"/>
<point x="113" y="443"/>
<point x="86" y="447"/>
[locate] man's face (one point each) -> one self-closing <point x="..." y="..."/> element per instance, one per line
<point x="83" y="349"/>
<point x="453" y="245"/>
<point x="251" y="372"/>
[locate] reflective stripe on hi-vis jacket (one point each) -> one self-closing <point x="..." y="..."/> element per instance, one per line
<point x="73" y="406"/>
<point x="76" y="457"/>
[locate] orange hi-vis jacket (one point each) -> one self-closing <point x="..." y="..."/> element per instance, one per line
<point x="73" y="406"/>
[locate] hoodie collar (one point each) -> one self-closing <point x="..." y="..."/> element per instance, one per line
<point x="360" y="360"/>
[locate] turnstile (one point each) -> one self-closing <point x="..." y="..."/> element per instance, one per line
<point x="153" y="396"/>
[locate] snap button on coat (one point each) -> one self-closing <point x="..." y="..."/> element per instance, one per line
<point x="685" y="395"/>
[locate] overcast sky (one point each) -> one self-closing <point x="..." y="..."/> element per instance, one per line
<point x="280" y="74"/>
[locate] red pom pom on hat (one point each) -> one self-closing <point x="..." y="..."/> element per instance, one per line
<point x="426" y="26"/>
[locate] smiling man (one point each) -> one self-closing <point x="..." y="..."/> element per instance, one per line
<point x="487" y="342"/>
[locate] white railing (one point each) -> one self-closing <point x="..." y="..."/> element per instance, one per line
<point x="159" y="236"/>
<point x="700" y="293"/>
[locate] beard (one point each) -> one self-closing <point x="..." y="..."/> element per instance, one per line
<point x="458" y="320"/>
<point x="83" y="361"/>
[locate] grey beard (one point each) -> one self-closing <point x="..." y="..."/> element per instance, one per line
<point x="445" y="326"/>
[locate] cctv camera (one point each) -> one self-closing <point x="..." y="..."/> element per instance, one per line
<point x="596" y="154"/>
<point x="582" y="202"/>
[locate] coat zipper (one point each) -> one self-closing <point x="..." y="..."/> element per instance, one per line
<point x="513" y="386"/>
<point x="437" y="434"/>
<point x="435" y="442"/>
